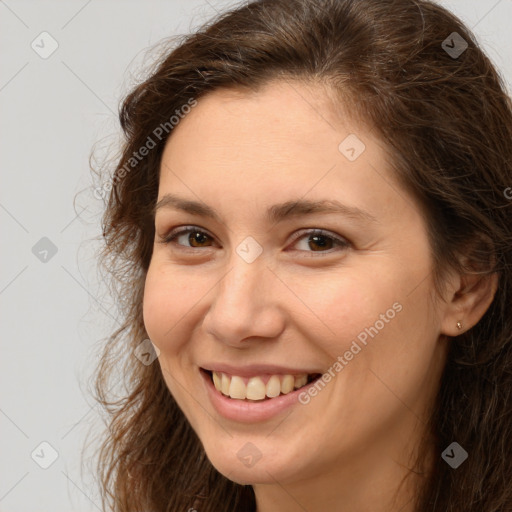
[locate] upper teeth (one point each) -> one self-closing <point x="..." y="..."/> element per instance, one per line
<point x="256" y="389"/>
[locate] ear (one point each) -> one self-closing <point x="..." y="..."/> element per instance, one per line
<point x="469" y="297"/>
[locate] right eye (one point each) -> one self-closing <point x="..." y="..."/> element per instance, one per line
<point x="188" y="235"/>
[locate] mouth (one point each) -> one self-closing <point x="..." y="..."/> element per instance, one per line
<point x="258" y="388"/>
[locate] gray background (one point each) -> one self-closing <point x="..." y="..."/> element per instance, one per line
<point x="55" y="312"/>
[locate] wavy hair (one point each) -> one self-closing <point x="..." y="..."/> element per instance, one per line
<point x="446" y="121"/>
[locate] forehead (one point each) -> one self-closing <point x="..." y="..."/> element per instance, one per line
<point x="282" y="126"/>
<point x="284" y="141"/>
<point x="278" y="108"/>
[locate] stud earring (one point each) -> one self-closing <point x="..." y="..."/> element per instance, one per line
<point x="459" y="325"/>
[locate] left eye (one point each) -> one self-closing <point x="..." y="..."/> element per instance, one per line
<point x="316" y="240"/>
<point x="321" y="240"/>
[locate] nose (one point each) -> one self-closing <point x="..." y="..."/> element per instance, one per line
<point x="245" y="304"/>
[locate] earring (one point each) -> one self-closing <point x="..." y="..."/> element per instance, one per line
<point x="459" y="325"/>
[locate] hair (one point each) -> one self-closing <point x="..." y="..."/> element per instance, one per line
<point x="447" y="124"/>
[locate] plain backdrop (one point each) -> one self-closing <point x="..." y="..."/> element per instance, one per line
<point x="65" y="67"/>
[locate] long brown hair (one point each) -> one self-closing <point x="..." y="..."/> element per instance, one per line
<point x="446" y="119"/>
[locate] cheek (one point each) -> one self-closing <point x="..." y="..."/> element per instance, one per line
<point x="168" y="298"/>
<point x="389" y="357"/>
<point x="158" y="307"/>
<point x="168" y="301"/>
<point x="377" y="326"/>
<point x="345" y="305"/>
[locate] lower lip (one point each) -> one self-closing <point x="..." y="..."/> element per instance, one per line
<point x="246" y="411"/>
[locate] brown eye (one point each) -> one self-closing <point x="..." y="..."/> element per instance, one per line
<point x="197" y="238"/>
<point x="189" y="237"/>
<point x="320" y="241"/>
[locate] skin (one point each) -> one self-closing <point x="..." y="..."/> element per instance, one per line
<point x="352" y="445"/>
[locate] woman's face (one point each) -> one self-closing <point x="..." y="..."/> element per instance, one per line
<point x="256" y="294"/>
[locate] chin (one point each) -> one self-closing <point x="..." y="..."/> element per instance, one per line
<point x="248" y="465"/>
<point x="258" y="474"/>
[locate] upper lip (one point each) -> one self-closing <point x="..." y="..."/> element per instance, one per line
<point x="253" y="370"/>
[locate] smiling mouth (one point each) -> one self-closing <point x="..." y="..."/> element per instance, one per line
<point x="258" y="388"/>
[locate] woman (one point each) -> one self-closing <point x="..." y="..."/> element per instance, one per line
<point x="310" y="223"/>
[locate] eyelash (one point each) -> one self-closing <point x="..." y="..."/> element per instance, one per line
<point x="338" y="241"/>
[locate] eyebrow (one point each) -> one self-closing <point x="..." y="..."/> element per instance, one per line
<point x="275" y="213"/>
